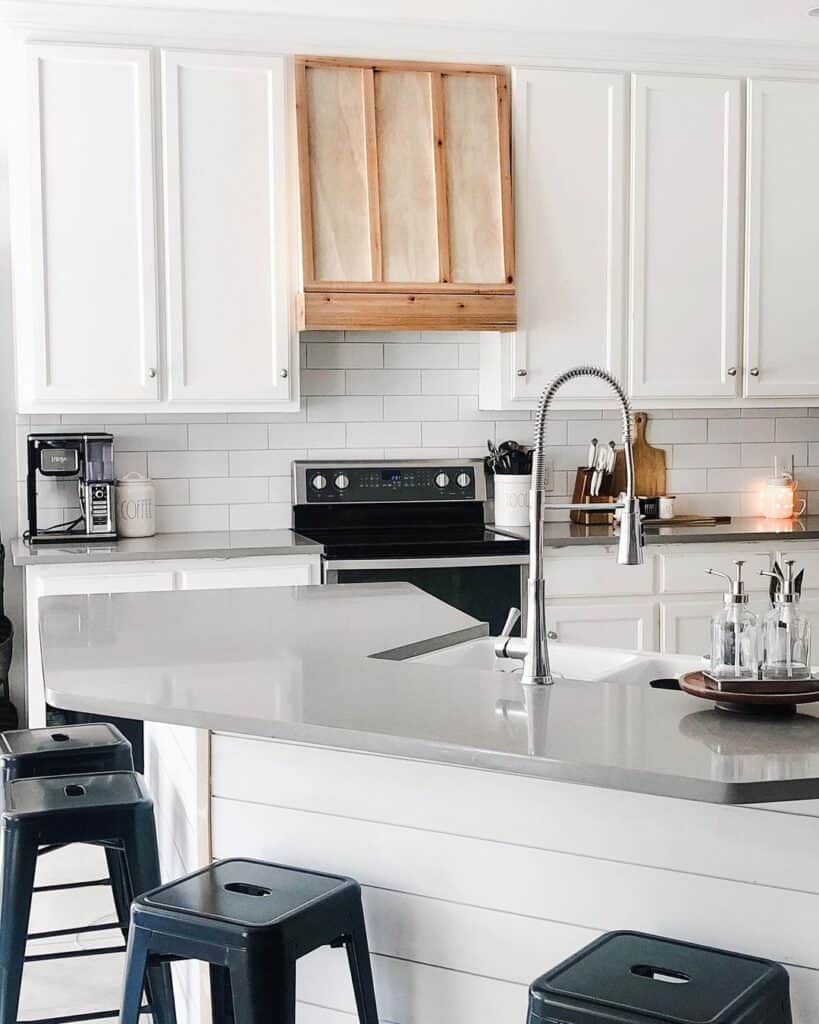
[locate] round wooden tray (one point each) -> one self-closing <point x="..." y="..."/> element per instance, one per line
<point x="698" y="685"/>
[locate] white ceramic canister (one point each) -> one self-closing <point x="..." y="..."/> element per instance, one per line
<point x="136" y="503"/>
<point x="512" y="499"/>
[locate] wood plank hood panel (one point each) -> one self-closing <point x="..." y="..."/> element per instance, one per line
<point x="405" y="195"/>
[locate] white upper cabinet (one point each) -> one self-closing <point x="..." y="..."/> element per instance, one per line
<point x="569" y="135"/>
<point x="227" y="248"/>
<point x="87" y="332"/>
<point x="686" y="246"/>
<point x="782" y="297"/>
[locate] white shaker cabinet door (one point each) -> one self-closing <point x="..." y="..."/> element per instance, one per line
<point x="686" y="201"/>
<point x="569" y="131"/>
<point x="782" y="298"/>
<point x="629" y="625"/>
<point x="88" y="331"/>
<point x="225" y="134"/>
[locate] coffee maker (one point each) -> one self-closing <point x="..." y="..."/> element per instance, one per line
<point x="86" y="458"/>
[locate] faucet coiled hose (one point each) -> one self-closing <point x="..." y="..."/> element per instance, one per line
<point x="539" y="457"/>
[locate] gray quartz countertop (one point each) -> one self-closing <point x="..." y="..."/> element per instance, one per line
<point x="318" y="665"/>
<point x="235" y="544"/>
<point x="743" y="528"/>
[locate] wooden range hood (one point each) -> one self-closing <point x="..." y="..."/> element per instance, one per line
<point x="406" y="196"/>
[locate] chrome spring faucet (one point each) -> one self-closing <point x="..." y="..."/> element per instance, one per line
<point x="533" y="650"/>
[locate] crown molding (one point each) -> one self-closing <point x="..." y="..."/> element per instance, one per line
<point x="252" y="30"/>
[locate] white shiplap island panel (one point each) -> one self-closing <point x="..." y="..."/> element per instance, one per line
<point x="476" y="882"/>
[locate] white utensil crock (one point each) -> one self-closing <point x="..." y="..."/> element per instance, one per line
<point x="136" y="502"/>
<point x="512" y="499"/>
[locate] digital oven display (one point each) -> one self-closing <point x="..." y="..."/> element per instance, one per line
<point x="391" y="476"/>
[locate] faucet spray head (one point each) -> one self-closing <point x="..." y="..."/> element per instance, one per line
<point x="630" y="550"/>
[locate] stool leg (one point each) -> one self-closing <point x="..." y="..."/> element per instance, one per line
<point x="143" y="869"/>
<point x="118" y="873"/>
<point x="221" y="997"/>
<point x="264" y="990"/>
<point x="358" y="956"/>
<point x="136" y="962"/>
<point x="19" y="860"/>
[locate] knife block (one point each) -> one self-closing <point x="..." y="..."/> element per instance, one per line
<point x="581" y="496"/>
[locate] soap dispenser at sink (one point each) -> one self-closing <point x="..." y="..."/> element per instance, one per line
<point x="786" y="631"/>
<point x="735" y="632"/>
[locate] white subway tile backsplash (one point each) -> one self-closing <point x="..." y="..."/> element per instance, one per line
<point x="191" y="518"/>
<point x="458" y="433"/>
<point x="686" y="481"/>
<point x="421" y="453"/>
<point x="226" y="436"/>
<point x="343" y="408"/>
<point x="322" y="382"/>
<point x="794" y="429"/>
<point x="421" y="356"/>
<point x="269" y="463"/>
<point x="383" y="382"/>
<point x="764" y="454"/>
<point x="344" y="355"/>
<point x="268" y="516"/>
<point x="412" y="395"/>
<point x="151" y="437"/>
<point x="420" y="407"/>
<point x="308" y="435"/>
<point x="449" y="382"/>
<point x="229" y="490"/>
<point x="705" y="456"/>
<point x="742" y="430"/>
<point x="172" y="492"/>
<point x="366" y="435"/>
<point x="279" y="489"/>
<point x="187" y="464"/>
<point x="662" y="432"/>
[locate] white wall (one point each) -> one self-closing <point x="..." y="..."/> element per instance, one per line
<point x="8" y="475"/>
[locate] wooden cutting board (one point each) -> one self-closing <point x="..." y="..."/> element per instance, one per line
<point x="649" y="464"/>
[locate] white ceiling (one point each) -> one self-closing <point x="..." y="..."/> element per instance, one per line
<point x="770" y="20"/>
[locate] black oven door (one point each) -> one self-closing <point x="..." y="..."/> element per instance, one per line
<point x="483" y="589"/>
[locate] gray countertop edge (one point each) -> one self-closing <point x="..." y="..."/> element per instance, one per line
<point x="167" y="546"/>
<point x="434" y="751"/>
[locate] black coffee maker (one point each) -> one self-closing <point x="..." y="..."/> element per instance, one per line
<point x="87" y="459"/>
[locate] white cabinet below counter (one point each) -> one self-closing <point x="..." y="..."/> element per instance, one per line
<point x="96" y="329"/>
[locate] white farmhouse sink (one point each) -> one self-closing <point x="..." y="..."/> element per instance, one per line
<point x="575" y="662"/>
<point x="571" y="661"/>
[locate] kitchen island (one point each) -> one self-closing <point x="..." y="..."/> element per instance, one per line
<point x="492" y="835"/>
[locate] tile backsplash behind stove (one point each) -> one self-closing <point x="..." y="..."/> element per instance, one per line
<point x="369" y="395"/>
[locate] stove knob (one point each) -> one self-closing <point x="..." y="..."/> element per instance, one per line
<point x="319" y="482"/>
<point x="464" y="480"/>
<point x="342" y="481"/>
<point x="442" y="480"/>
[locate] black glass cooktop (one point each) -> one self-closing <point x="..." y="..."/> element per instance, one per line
<point x="423" y="541"/>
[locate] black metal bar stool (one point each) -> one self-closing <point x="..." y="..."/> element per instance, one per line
<point x="633" y="978"/>
<point x="112" y="808"/>
<point x="73" y="750"/>
<point x="250" y="921"/>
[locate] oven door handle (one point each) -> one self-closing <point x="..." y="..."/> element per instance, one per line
<point x="375" y="564"/>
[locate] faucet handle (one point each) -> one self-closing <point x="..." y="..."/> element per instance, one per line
<point x="509" y="625"/>
<point x="502" y="641"/>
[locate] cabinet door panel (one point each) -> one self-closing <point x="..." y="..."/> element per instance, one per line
<point x="685" y="626"/>
<point x="229" y="325"/>
<point x="93" y="226"/>
<point x="570" y="158"/>
<point x="685" y="236"/>
<point x="630" y="625"/>
<point x="782" y="300"/>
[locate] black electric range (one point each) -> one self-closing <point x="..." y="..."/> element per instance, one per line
<point x="421" y="521"/>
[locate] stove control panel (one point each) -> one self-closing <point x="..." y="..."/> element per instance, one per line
<point x="326" y="483"/>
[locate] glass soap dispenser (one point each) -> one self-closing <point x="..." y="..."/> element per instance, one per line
<point x="734" y="632"/>
<point x="786" y="631"/>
